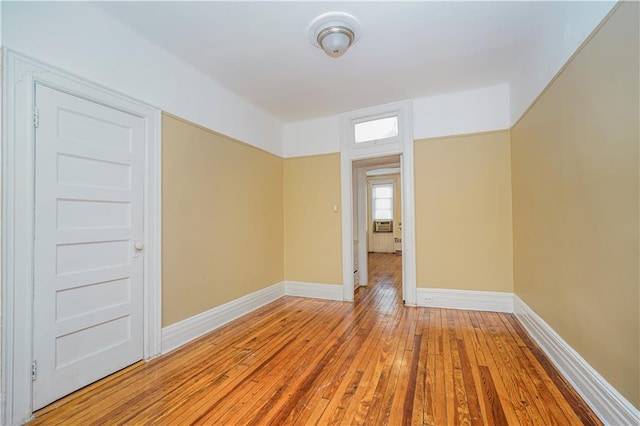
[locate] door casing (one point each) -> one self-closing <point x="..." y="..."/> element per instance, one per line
<point x="403" y="146"/>
<point x="20" y="74"/>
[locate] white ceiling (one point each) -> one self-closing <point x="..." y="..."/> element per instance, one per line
<point x="260" y="50"/>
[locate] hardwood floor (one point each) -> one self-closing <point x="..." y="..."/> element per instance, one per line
<point x="373" y="362"/>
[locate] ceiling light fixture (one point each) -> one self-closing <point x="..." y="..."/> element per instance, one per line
<point x="334" y="32"/>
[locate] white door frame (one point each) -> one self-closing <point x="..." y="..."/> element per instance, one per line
<point x="20" y="74"/>
<point x="363" y="235"/>
<point x="350" y="152"/>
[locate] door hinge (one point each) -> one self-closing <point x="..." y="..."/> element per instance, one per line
<point x="34" y="370"/>
<point x="36" y="118"/>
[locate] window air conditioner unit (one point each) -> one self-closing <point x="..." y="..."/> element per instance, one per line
<point x="383" y="226"/>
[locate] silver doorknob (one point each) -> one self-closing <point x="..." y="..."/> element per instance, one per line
<point x="138" y="245"/>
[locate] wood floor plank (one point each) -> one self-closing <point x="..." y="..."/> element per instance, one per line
<point x="293" y="388"/>
<point x="469" y="386"/>
<point x="565" y="394"/>
<point x="546" y="400"/>
<point x="517" y="383"/>
<point x="376" y="381"/>
<point x="367" y="381"/>
<point x="474" y="361"/>
<point x="514" y="414"/>
<point x="370" y="362"/>
<point x="417" y="408"/>
<point x="495" y="414"/>
<point x="440" y="396"/>
<point x="451" y="409"/>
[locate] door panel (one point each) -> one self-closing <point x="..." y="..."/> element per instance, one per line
<point x="88" y="276"/>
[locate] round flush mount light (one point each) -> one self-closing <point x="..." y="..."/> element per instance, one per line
<point x="334" y="32"/>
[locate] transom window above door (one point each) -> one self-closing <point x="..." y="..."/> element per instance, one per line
<point x="378" y="129"/>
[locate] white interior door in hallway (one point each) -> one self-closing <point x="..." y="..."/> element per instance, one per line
<point x="88" y="270"/>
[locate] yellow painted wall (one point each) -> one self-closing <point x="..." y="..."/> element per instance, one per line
<point x="222" y="226"/>
<point x="463" y="212"/>
<point x="312" y="231"/>
<point x="575" y="203"/>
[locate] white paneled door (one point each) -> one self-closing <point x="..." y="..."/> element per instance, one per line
<point x="89" y="248"/>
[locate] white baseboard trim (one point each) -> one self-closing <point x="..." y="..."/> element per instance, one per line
<point x="493" y="301"/>
<point x="608" y="403"/>
<point x="313" y="290"/>
<point x="178" y="334"/>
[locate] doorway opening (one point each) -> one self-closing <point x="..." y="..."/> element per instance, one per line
<point x="377" y="209"/>
<point x="392" y="143"/>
